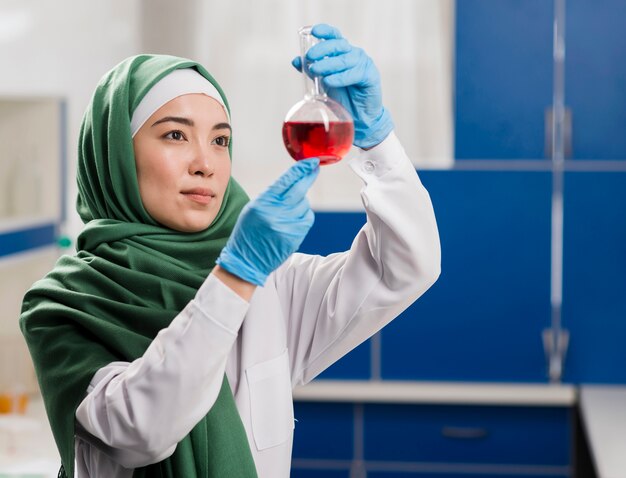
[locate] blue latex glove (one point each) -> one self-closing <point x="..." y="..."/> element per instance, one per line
<point x="352" y="79"/>
<point x="271" y="227"/>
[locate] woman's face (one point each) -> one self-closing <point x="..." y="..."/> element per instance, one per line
<point x="183" y="163"/>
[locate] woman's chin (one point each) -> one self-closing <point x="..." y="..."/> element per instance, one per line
<point x="190" y="225"/>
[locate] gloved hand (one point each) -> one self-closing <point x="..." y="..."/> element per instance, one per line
<point x="271" y="227"/>
<point x="352" y="79"/>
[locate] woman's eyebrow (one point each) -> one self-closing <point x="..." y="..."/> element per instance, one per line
<point x="222" y="126"/>
<point x="188" y="122"/>
<point x="175" y="119"/>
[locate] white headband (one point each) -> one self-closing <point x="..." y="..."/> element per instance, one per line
<point x="177" y="83"/>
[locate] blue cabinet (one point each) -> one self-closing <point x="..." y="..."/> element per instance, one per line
<point x="402" y="474"/>
<point x="319" y="473"/>
<point x="594" y="284"/>
<point x="324" y="431"/>
<point x="503" y="81"/>
<point x="422" y="440"/>
<point x="595" y="78"/>
<point x="482" y="320"/>
<point x="467" y="435"/>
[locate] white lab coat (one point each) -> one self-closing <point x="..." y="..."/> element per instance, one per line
<point x="311" y="311"/>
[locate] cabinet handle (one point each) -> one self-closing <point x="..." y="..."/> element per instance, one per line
<point x="464" y="433"/>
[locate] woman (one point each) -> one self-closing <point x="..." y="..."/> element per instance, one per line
<point x="170" y="343"/>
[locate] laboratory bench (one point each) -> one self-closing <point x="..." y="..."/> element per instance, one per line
<point x="402" y="429"/>
<point x="27" y="448"/>
<point x="602" y="447"/>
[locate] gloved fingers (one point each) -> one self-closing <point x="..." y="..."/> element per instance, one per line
<point x="310" y="217"/>
<point x="306" y="221"/>
<point x="295" y="173"/>
<point x="300" y="187"/>
<point x="297" y="211"/>
<point x="325" y="31"/>
<point x="364" y="74"/>
<point x="297" y="63"/>
<point x="328" y="48"/>
<point x="336" y="64"/>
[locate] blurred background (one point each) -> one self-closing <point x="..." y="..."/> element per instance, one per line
<point x="513" y="113"/>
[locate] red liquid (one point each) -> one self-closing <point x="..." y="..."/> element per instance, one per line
<point x="306" y="140"/>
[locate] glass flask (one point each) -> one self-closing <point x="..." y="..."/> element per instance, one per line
<point x="317" y="125"/>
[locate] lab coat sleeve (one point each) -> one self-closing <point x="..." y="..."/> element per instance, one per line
<point x="137" y="412"/>
<point x="333" y="303"/>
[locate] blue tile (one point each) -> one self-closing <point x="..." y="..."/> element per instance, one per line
<point x="432" y="434"/>
<point x="594" y="283"/>
<point x="482" y="320"/>
<point x="324" y="431"/>
<point x="503" y="79"/>
<point x="596" y="77"/>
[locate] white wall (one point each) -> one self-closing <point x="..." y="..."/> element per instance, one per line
<point x="62" y="48"/>
<point x="30" y="144"/>
<point x="248" y="46"/>
<point x="54" y="49"/>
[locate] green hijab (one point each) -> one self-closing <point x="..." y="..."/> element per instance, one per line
<point x="128" y="280"/>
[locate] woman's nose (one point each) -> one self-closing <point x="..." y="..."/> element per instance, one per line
<point x="202" y="163"/>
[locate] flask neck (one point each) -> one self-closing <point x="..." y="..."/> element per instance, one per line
<point x="313" y="87"/>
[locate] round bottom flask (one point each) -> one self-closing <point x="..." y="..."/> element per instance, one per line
<point x="317" y="125"/>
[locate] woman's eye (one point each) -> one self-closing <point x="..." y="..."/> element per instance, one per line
<point x="222" y="141"/>
<point x="175" y="135"/>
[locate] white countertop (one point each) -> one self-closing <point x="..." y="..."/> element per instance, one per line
<point x="458" y="393"/>
<point x="603" y="410"/>
<point x="27" y="447"/>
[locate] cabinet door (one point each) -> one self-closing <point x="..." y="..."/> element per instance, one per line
<point x="323" y="431"/>
<point x="595" y="76"/>
<point x="403" y="474"/>
<point x="503" y="78"/>
<point x="594" y="260"/>
<point x="482" y="320"/>
<point x="513" y="437"/>
<point x="319" y="473"/>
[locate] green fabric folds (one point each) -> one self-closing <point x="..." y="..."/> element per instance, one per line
<point x="128" y="280"/>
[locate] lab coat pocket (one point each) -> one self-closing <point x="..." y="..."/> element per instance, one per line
<point x="271" y="401"/>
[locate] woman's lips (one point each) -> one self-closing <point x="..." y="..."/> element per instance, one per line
<point x="199" y="195"/>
